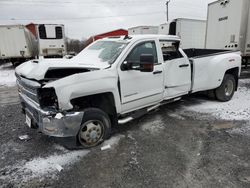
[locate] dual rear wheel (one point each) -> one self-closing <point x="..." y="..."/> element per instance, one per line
<point x="227" y="88"/>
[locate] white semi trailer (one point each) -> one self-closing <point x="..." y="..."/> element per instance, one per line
<point x="143" y="30"/>
<point x="228" y="26"/>
<point x="50" y="38"/>
<point x="17" y="44"/>
<point x="192" y="32"/>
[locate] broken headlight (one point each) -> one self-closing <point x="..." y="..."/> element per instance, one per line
<point x="47" y="98"/>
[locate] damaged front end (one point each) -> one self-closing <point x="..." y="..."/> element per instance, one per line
<point x="41" y="107"/>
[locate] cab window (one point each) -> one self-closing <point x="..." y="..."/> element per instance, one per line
<point x="170" y="50"/>
<point x="142" y="48"/>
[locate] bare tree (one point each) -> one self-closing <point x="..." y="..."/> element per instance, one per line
<point x="74" y="45"/>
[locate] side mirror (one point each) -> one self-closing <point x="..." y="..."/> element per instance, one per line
<point x="126" y="66"/>
<point x="146" y="63"/>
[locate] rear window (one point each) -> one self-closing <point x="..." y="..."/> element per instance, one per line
<point x="170" y="50"/>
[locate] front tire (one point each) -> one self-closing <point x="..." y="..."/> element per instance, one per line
<point x="95" y="128"/>
<point x="227" y="88"/>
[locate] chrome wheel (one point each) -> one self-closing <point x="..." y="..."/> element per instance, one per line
<point x="229" y="87"/>
<point x="91" y="133"/>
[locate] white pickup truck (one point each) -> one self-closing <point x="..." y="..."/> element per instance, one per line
<point x="117" y="79"/>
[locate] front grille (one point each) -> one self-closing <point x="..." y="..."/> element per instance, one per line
<point x="33" y="112"/>
<point x="28" y="88"/>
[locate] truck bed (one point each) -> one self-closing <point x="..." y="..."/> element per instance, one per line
<point x="196" y="52"/>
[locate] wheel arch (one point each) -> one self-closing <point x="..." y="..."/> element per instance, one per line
<point x="104" y="101"/>
<point x="235" y="73"/>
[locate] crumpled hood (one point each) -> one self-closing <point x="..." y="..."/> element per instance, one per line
<point x="36" y="69"/>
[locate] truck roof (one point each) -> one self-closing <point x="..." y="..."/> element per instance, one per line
<point x="130" y="38"/>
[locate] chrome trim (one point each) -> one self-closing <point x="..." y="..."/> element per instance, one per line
<point x="23" y="88"/>
<point x="142" y="98"/>
<point x="125" y="120"/>
<point x="35" y="105"/>
<point x="130" y="118"/>
<point x="31" y="100"/>
<point x="129" y="95"/>
<point x="153" y="107"/>
<point x="28" y="82"/>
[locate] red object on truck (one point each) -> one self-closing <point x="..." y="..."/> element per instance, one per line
<point x="118" y="32"/>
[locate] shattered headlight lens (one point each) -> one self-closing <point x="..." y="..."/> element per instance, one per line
<point x="47" y="98"/>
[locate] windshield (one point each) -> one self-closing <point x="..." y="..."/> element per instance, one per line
<point x="102" y="52"/>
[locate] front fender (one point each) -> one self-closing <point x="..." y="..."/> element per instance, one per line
<point x="85" y="84"/>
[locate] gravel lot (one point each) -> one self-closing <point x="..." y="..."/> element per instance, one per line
<point x="195" y="142"/>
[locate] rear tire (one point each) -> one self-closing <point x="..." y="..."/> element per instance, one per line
<point x="227" y="88"/>
<point x="95" y="128"/>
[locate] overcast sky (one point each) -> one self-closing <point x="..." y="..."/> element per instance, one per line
<point x="83" y="18"/>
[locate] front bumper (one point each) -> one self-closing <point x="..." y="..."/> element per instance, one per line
<point x="52" y="123"/>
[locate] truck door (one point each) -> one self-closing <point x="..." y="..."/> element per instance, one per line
<point x="177" y="68"/>
<point x="140" y="89"/>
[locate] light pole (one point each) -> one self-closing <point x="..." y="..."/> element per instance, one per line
<point x="167" y="2"/>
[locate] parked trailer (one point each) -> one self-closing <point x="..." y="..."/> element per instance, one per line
<point x="17" y="44"/>
<point x="143" y="30"/>
<point x="228" y="26"/>
<point x="192" y="32"/>
<point x="51" y="39"/>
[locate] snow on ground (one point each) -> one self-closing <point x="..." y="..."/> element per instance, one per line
<point x="48" y="166"/>
<point x="153" y="126"/>
<point x="113" y="141"/>
<point x="42" y="166"/>
<point x="7" y="75"/>
<point x="176" y="116"/>
<point x="243" y="130"/>
<point x="236" y="109"/>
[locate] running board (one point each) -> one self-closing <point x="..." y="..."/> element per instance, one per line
<point x="144" y="111"/>
<point x="137" y="114"/>
<point x="170" y="101"/>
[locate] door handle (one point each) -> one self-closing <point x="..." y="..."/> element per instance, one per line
<point x="184" y="65"/>
<point x="157" y="72"/>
